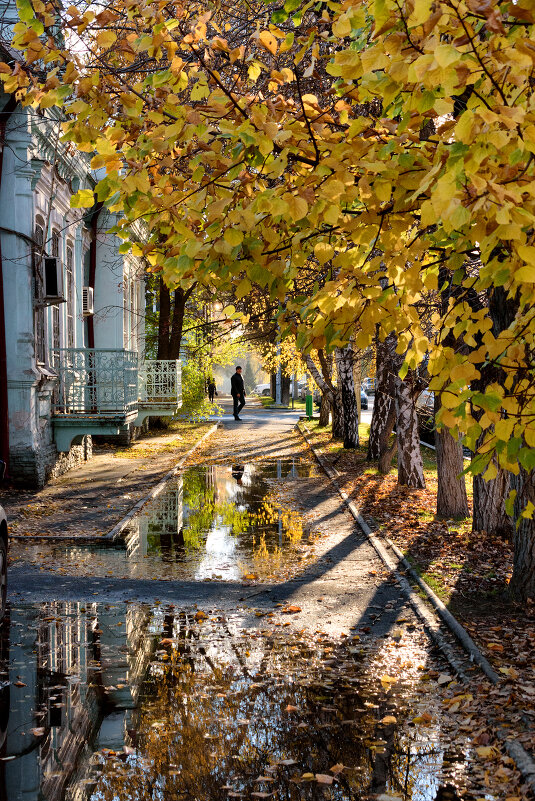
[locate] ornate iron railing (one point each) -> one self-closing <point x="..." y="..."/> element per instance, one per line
<point x="160" y="382"/>
<point x="95" y="381"/>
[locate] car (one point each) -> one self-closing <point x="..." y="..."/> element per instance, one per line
<point x="3" y="551"/>
<point x="262" y="389"/>
<point x="425" y="409"/>
<point x="363" y="400"/>
<point x="368" y="385"/>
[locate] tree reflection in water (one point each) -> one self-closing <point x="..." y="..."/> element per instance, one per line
<point x="225" y="716"/>
<point x="225" y="522"/>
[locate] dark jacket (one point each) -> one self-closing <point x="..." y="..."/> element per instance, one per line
<point x="237" y="387"/>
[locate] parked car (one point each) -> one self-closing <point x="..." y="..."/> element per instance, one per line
<point x="363" y="400"/>
<point x="3" y="551"/>
<point x="368" y="385"/>
<point x="425" y="409"/>
<point x="262" y="389"/>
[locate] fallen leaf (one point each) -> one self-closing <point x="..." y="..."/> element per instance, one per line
<point x="388" y="719"/>
<point x="387" y="681"/>
<point x="324" y="778"/>
<point x="338" y="768"/>
<point x="291" y="610"/>
<point x="424" y="719"/>
<point x="38" y="732"/>
<point x="444" y="678"/>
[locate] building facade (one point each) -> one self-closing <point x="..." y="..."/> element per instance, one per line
<point x="72" y="316"/>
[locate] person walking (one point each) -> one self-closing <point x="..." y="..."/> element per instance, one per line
<point x="211" y="390"/>
<point x="237" y="390"/>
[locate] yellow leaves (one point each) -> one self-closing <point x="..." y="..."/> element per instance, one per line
<point x="105" y="39"/>
<point x="254" y="70"/>
<point x="526" y="273"/>
<point x="233" y="236"/>
<point x="297" y="206"/>
<point x="445" y="55"/>
<point x="243" y="288"/>
<point x="324" y="252"/>
<point x="268" y="42"/>
<point x="84" y="199"/>
<point x="342" y="26"/>
<point x="504" y="429"/>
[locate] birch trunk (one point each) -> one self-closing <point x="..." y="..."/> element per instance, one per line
<point x="384" y="408"/>
<point x="344" y="366"/>
<point x="410" y="463"/>
<point x="332" y="393"/>
<point x="451" y="495"/>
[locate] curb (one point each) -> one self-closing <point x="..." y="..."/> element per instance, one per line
<point x="524" y="761"/>
<point x="453" y="624"/>
<point x="424" y="613"/>
<point x="115" y="532"/>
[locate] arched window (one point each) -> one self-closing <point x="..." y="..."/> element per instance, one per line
<point x="39" y="310"/>
<point x="56" y="331"/>
<point x="69" y="293"/>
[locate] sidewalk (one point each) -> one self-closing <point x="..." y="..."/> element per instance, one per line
<point x="89" y="501"/>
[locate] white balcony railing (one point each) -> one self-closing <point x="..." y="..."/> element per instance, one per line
<point x="160" y="383"/>
<point x="96" y="382"/>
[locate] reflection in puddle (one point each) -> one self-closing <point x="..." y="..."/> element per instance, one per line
<point x="214" y="523"/>
<point x="138" y="702"/>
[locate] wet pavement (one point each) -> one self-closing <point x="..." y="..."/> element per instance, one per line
<point x="131" y="701"/>
<point x="242" y="640"/>
<point x="213" y="523"/>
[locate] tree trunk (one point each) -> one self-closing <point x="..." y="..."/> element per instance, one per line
<point x="337" y="415"/>
<point x="489" y="505"/>
<point x="273" y="383"/>
<point x="451" y="495"/>
<point x="384" y="463"/>
<point x="384" y="408"/>
<point x="285" y="390"/>
<point x="410" y="464"/>
<point x="344" y="366"/>
<point x="523" y="580"/>
<point x="489" y="497"/>
<point x="323" y="380"/>
<point x="325" y="409"/>
<point x="179" y="309"/>
<point x="164" y="320"/>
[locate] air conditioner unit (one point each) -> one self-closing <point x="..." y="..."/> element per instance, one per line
<point x="52" y="281"/>
<point x="88" y="306"/>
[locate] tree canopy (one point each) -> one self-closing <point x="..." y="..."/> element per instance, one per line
<point x="355" y="159"/>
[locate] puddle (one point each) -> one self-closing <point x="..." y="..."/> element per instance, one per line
<point x="116" y="703"/>
<point x="213" y="523"/>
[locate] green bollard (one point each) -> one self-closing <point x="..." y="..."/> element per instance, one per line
<point x="308" y="406"/>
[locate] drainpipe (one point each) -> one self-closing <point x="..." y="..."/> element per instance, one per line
<point x="5" y="114"/>
<point x="93" y="269"/>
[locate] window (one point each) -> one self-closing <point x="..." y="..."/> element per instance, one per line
<point x="39" y="309"/>
<point x="69" y="295"/>
<point x="133" y="320"/>
<point x="126" y="313"/>
<point x="56" y="333"/>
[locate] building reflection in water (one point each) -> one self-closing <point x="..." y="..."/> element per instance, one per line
<point x="74" y="674"/>
<point x="161" y="529"/>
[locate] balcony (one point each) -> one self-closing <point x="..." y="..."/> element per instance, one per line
<point x="97" y="393"/>
<point x="160" y="388"/>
